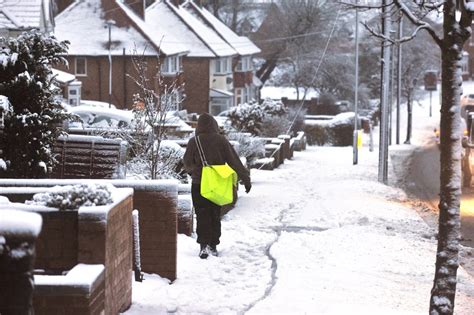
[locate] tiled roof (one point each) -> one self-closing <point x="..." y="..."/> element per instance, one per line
<point x="23" y="14"/>
<point x="205" y="33"/>
<point x="172" y="30"/>
<point x="241" y="44"/>
<point x="83" y="24"/>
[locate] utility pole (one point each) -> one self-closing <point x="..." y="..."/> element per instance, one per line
<point x="383" y="144"/>
<point x="109" y="25"/>
<point x="399" y="75"/>
<point x="356" y="96"/>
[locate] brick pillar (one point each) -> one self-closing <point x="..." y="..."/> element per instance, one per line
<point x="18" y="233"/>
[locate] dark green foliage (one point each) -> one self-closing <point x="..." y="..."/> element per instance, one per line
<point x="338" y="133"/>
<point x="33" y="119"/>
<point x="74" y="197"/>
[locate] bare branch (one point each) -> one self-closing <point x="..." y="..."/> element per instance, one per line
<point x="418" y="22"/>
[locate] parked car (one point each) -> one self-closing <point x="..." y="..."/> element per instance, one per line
<point x="466" y="100"/>
<point x="95" y="118"/>
<point x="100" y="118"/>
<point x="96" y="104"/>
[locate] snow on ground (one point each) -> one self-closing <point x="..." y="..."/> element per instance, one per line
<point x="317" y="235"/>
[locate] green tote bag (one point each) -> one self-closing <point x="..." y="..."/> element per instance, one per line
<point x="217" y="181"/>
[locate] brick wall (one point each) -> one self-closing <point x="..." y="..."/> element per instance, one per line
<point x="95" y="85"/>
<point x="196" y="76"/>
<point x="18" y="233"/>
<point x="99" y="235"/>
<point x="106" y="238"/>
<point x="69" y="297"/>
<point x="158" y="231"/>
<point x="57" y="244"/>
<point x="243" y="78"/>
<point x="156" y="201"/>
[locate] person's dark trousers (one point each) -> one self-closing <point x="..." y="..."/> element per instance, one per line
<point x="208" y="216"/>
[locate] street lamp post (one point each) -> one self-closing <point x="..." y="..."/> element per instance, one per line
<point x="356" y="94"/>
<point x="109" y="26"/>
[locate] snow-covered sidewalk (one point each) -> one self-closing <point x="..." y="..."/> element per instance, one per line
<point x="318" y="236"/>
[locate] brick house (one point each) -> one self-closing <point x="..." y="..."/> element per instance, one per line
<point x="19" y="16"/>
<point x="217" y="69"/>
<point x="87" y="25"/>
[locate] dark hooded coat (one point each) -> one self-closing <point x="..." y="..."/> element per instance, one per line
<point x="217" y="150"/>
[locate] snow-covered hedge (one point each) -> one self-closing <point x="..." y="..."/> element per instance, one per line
<point x="249" y="117"/>
<point x="74" y="197"/>
<point x="250" y="147"/>
<point x="337" y="131"/>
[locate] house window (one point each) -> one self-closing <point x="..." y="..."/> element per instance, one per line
<point x="219" y="104"/>
<point x="171" y="65"/>
<point x="244" y="64"/>
<point x="223" y="66"/>
<point x="81" y="66"/>
<point x="238" y="96"/>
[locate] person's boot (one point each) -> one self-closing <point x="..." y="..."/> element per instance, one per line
<point x="213" y="250"/>
<point x="204" y="252"/>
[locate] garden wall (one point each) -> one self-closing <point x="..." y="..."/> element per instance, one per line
<point x="157" y="203"/>
<point x="98" y="235"/>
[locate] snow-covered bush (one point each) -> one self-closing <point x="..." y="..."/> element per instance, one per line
<point x="288" y="122"/>
<point x="337" y="131"/>
<point x="73" y="197"/>
<point x="169" y="163"/>
<point x="250" y="117"/>
<point x="32" y="122"/>
<point x="250" y="147"/>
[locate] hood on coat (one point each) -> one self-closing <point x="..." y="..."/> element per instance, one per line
<point x="206" y="124"/>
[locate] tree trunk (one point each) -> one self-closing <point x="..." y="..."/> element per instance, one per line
<point x="444" y="287"/>
<point x="235" y="12"/>
<point x="409" y="118"/>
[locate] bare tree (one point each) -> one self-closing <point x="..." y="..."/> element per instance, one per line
<point x="457" y="20"/>
<point x="152" y="104"/>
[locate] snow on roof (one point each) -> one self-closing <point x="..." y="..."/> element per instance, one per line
<point x="63" y="77"/>
<point x="277" y="93"/>
<point x="241" y="44"/>
<point x="24" y="13"/>
<point x="83" y="24"/>
<point x="14" y="222"/>
<point x="155" y="32"/>
<point x="220" y="93"/>
<point x="171" y="30"/>
<point x="209" y="36"/>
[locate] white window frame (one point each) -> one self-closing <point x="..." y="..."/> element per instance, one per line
<point x="85" y="67"/>
<point x="171" y="65"/>
<point x="244" y="64"/>
<point x="238" y="96"/>
<point x="223" y="65"/>
<point x="223" y="104"/>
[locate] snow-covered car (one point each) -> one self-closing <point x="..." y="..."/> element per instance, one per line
<point x="96" y="104"/>
<point x="100" y="118"/>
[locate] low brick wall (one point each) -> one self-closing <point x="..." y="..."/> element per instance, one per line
<point x="106" y="237"/>
<point x="80" y="292"/>
<point x="18" y="232"/>
<point x="57" y="245"/>
<point x="99" y="235"/>
<point x="157" y="203"/>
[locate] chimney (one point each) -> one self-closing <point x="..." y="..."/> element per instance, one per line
<point x="138" y="6"/>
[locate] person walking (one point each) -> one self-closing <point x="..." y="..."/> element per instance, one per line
<point x="218" y="151"/>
